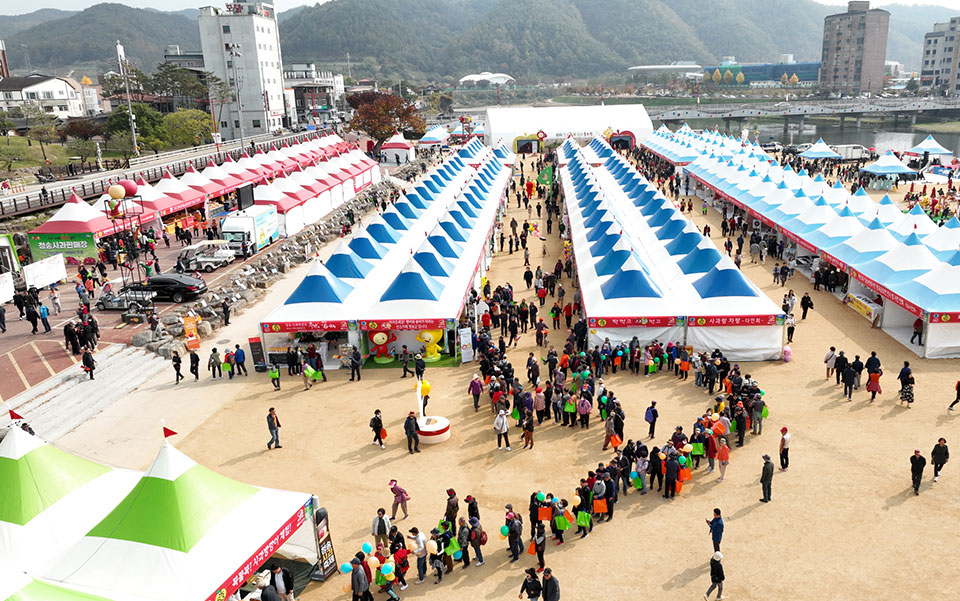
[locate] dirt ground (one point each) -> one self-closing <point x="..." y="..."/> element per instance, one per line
<point x="842" y="519"/>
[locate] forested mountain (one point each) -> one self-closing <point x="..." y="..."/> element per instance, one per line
<point x="444" y="39"/>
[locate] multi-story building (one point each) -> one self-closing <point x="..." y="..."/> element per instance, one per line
<point x="241" y="45"/>
<point x="940" y="65"/>
<point x="854" y="49"/>
<point x="314" y="93"/>
<point x="55" y="95"/>
<point x="185" y="59"/>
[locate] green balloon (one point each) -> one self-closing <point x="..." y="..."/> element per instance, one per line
<point x="504" y="530"/>
<point x="656" y="359"/>
<point x="586" y="373"/>
<point x="541" y="496"/>
<point x="762" y="393"/>
<point x="682" y="460"/>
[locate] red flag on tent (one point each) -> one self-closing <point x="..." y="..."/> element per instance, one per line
<point x="14" y="415"/>
<point x="167" y="432"/>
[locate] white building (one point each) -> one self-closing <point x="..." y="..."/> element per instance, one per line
<point x="940" y="65"/>
<point x="241" y="45"/>
<point x="55" y="95"/>
<point x="313" y="94"/>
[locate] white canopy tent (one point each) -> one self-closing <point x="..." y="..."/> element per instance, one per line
<point x="517" y="126"/>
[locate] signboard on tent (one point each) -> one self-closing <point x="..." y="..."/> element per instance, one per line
<point x="45" y="272"/>
<point x="466" y="345"/>
<point x="75" y="248"/>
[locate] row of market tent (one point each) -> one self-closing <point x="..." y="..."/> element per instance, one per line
<point x="646" y="271"/>
<point x="904" y="258"/>
<point x="309" y="179"/>
<point x="411" y="266"/>
<point x="72" y="529"/>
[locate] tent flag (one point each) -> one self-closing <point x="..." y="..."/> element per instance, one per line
<point x="14" y="414"/>
<point x="546" y="176"/>
<point x="167" y="432"/>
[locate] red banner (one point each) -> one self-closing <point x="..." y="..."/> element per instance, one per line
<point x="833" y="260"/>
<point x="304" y="326"/>
<point x="260" y="557"/>
<point x="403" y="324"/>
<point x="945" y="318"/>
<point x="634" y="322"/>
<point x="798" y="240"/>
<point x="887" y="293"/>
<point x="732" y="320"/>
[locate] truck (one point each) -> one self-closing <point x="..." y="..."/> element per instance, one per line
<point x="257" y="225"/>
<point x="852" y="152"/>
<point x="206" y="255"/>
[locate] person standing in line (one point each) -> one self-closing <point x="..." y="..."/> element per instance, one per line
<point x="540" y="545"/>
<point x="651" y="416"/>
<point x="410" y="430"/>
<point x="175" y="359"/>
<point x="376" y="424"/>
<point x="784" y="449"/>
<point x="501" y="425"/>
<point x="766" y="479"/>
<point x="400" y="498"/>
<point x="452" y="508"/>
<point x="239" y="360"/>
<point x="355" y="361"/>
<point x="195" y="365"/>
<point x="475" y="388"/>
<point x="225" y="307"/>
<point x="917" y="463"/>
<point x="671" y="477"/>
<point x="380" y="528"/>
<point x="214" y="365"/>
<point x="830" y="360"/>
<point x="420" y="552"/>
<point x="476" y="537"/>
<point x="939" y="457"/>
<point x="551" y="586"/>
<point x="723" y="457"/>
<point x="849" y="379"/>
<point x="716" y="528"/>
<point x="88" y="362"/>
<point x="359" y="583"/>
<point x="405" y="361"/>
<point x="463" y="539"/>
<point x="273" y="426"/>
<point x="716" y="576"/>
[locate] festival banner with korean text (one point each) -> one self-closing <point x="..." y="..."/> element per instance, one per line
<point x="669" y="321"/>
<point x="734" y="320"/>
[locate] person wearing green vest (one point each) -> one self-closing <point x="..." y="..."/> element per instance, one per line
<point x="275" y="376"/>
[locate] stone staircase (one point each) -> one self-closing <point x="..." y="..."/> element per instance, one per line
<point x="64" y="401"/>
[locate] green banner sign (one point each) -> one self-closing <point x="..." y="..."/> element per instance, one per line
<point x="75" y="248"/>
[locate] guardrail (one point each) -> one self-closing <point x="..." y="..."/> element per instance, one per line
<point x="29" y="202"/>
<point x="815" y="107"/>
<point x="173" y="155"/>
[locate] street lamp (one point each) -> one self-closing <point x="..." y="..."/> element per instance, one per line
<point x="233" y="51"/>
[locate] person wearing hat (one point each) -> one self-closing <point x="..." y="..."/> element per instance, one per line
<point x="410" y="430"/>
<point x="473" y="508"/>
<point x="531" y="585"/>
<point x="723" y="457"/>
<point x="419" y="366"/>
<point x="475" y="388"/>
<point x="514" y="535"/>
<point x="917" y="463"/>
<point x="501" y="425"/>
<point x="766" y="478"/>
<point x="476" y="537"/>
<point x="551" y="586"/>
<point x="716" y="576"/>
<point x="463" y="539"/>
<point x="376" y="424"/>
<point x="359" y="583"/>
<point x="400" y="498"/>
<point x="784" y="449"/>
<point x="740" y="416"/>
<point x="420" y="552"/>
<point x="453" y="506"/>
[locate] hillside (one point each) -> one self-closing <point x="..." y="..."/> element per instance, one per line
<point x="11" y="24"/>
<point x="88" y="38"/>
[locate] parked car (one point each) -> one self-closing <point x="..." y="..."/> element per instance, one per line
<point x="173" y="286"/>
<point x="207" y="255"/>
<point x="772" y="146"/>
<point x="130" y="298"/>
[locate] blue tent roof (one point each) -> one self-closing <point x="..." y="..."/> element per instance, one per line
<point x="683" y="243"/>
<point x="413" y="283"/>
<point x="699" y="260"/>
<point x="595" y="217"/>
<point x="723" y="282"/>
<point x="461" y="219"/>
<point x="348" y="265"/>
<point x="444" y="246"/>
<point x="662" y="217"/>
<point x="598" y="231"/>
<point x="632" y="283"/>
<point x="433" y="264"/>
<point x="467" y="208"/>
<point x="603" y="245"/>
<point x="415" y="198"/>
<point x="406" y="209"/>
<point x="672" y="229"/>
<point x="320" y="286"/>
<point x="453" y="231"/>
<point x="382" y="233"/>
<point x="367" y="248"/>
<point x="611" y="262"/>
<point x="396" y="220"/>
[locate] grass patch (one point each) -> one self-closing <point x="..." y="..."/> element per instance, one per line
<point x="940" y="127"/>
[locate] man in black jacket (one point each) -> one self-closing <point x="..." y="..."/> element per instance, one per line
<point x="419" y="366"/>
<point x="917" y="463"/>
<point x="282" y="580"/>
<point x="766" y="478"/>
<point x="355" y="361"/>
<point x="806" y="303"/>
<point x="410" y="429"/>
<point x="551" y="586"/>
<point x="716" y="576"/>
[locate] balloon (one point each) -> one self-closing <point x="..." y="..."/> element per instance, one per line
<point x="687" y="448"/>
<point x="619" y="353"/>
<point x="576" y="500"/>
<point x="129" y="186"/>
<point x="603" y="357"/>
<point x="458" y="555"/>
<point x="634" y="475"/>
<point x="662" y="456"/>
<point x="386" y="569"/>
<point x="541" y="496"/>
<point x="656" y="359"/>
<point x="715" y="417"/>
<point x="425" y="387"/>
<point x="762" y="393"/>
<point x="583" y="354"/>
<point x="373" y="562"/>
<point x="503" y="536"/>
<point x="347" y="587"/>
<point x="504" y="530"/>
<point x="366" y="548"/>
<point x="389" y="576"/>
<point x="116" y="192"/>
<point x="555" y="500"/>
<point x="682" y="460"/>
<point x="431" y="546"/>
<point x="586" y="373"/>
<point x="346" y="568"/>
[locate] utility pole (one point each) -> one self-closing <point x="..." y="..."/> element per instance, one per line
<point x="124" y="72"/>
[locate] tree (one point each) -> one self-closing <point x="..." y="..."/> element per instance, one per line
<point x="717" y="77"/>
<point x="445" y="102"/>
<point x="149" y="121"/>
<point x="358" y="99"/>
<point x="5" y="126"/>
<point x="220" y="93"/>
<point x="385" y="115"/>
<point x="40" y="125"/>
<point x="706" y="77"/>
<point x="179" y="83"/>
<point x="7" y="157"/>
<point x="912" y="85"/>
<point x="82" y="147"/>
<point x="740" y="78"/>
<point x="727" y="77"/>
<point x="81" y="128"/>
<point x="123" y="145"/>
<point x="794" y="80"/>
<point x="784" y="80"/>
<point x="188" y="127"/>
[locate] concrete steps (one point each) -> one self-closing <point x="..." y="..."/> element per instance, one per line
<point x="64" y="401"/>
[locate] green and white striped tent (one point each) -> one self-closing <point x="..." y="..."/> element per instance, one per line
<point x="183" y="532"/>
<point x="16" y="585"/>
<point x="50" y="499"/>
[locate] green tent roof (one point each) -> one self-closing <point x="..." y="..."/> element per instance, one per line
<point x="41" y="591"/>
